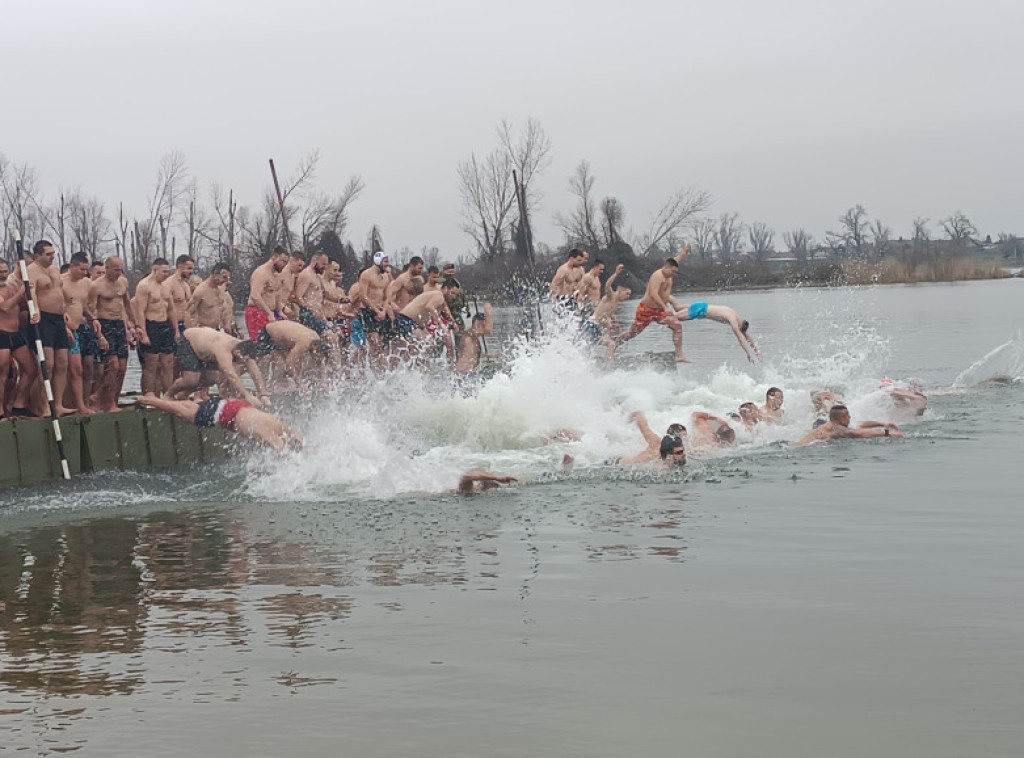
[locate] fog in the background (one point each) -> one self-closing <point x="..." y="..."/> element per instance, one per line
<point x="788" y="113"/>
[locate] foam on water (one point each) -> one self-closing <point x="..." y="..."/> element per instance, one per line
<point x="409" y="432"/>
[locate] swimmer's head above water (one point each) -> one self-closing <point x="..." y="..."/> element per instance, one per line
<point x="672" y="450"/>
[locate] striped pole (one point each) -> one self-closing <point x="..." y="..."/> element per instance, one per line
<point x="33" y="323"/>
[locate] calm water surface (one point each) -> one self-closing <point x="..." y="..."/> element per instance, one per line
<point x="862" y="598"/>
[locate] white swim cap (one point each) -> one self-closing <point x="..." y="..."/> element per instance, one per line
<point x="379" y="257"/>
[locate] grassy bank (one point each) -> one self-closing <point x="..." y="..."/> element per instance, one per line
<point x="892" y="271"/>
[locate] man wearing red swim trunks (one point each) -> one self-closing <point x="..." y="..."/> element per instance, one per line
<point x="264" y="293"/>
<point x="655" y="306"/>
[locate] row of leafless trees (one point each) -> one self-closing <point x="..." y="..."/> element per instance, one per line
<point x="176" y="218"/>
<point x="489" y="218"/>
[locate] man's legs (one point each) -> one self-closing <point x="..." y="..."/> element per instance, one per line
<point x="28" y="370"/>
<point x="166" y="372"/>
<point x="188" y="382"/>
<point x="76" y="386"/>
<point x="677" y="336"/>
<point x="183" y="409"/>
<point x="57" y="362"/>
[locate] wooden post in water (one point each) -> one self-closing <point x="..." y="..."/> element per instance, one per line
<point x="280" y="202"/>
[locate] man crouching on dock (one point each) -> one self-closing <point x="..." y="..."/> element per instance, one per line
<point x="232" y="414"/>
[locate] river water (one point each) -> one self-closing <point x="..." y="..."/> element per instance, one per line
<point x="851" y="599"/>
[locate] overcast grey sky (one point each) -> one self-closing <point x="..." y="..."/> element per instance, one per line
<point x="787" y="112"/>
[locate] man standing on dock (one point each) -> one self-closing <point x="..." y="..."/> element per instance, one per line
<point x="263" y="292"/>
<point x="109" y="301"/>
<point x="48" y="292"/>
<point x="85" y="348"/>
<point x="154" y="307"/>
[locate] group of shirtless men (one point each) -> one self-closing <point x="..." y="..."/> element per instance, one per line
<point x="580" y="295"/>
<point x="187" y="338"/>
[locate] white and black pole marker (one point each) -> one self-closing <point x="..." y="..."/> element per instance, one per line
<point x="33" y="324"/>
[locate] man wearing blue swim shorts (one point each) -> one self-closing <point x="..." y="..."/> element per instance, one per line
<point x="723" y="315"/>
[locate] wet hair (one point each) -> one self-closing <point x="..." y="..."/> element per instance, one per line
<point x="248" y="349"/>
<point x="298" y="255"/>
<point x="479" y="318"/>
<point x="220" y="266"/>
<point x="450" y="282"/>
<point x="773" y="391"/>
<point x="672" y="262"/>
<point x="597" y="262"/>
<point x="96" y="263"/>
<point x="414" y="260"/>
<point x="79" y="258"/>
<point x="576" y="253"/>
<point x="64" y="268"/>
<point x="836" y="411"/>
<point x="181" y="260"/>
<point x="817" y="422"/>
<point x="744" y="326"/>
<point x="676" y="429"/>
<point x="735" y="416"/>
<point x="725" y="433"/>
<point x="749" y="406"/>
<point x="433" y="270"/>
<point x="669" y="444"/>
<point x="40" y="246"/>
<point x="161" y="262"/>
<point x="279" y="250"/>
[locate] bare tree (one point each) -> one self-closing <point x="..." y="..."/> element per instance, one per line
<point x="485" y="187"/>
<point x="22" y="199"/>
<point x="579" y="225"/>
<point x="799" y="244"/>
<point x="152" y="230"/>
<point x="853" y="230"/>
<point x="679" y="210"/>
<point x="1011" y="246"/>
<point x="959" y="229"/>
<point x="528" y="152"/>
<point x="881" y="239"/>
<point x="613" y="214"/>
<point x="761" y="240"/>
<point x="704" y="238"/>
<point x="325" y="213"/>
<point x="728" y="236"/>
<point x="90" y="227"/>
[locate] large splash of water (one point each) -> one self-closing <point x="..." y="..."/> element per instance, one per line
<point x="409" y="432"/>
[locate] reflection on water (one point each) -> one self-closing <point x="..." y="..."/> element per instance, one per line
<point x="97" y="608"/>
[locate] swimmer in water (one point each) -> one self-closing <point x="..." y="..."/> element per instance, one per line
<point x="772" y="409"/>
<point x="711" y="431"/>
<point x="723" y="315"/>
<point x="232" y="414"/>
<point x="476" y="480"/>
<point x="657" y="447"/>
<point x="907" y="403"/>
<point x="823" y="400"/>
<point x="838" y="427"/>
<point x="750" y="415"/>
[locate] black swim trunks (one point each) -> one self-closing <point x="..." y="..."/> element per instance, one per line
<point x="11" y="341"/>
<point x="161" y="338"/>
<point x="52" y="330"/>
<point x="264" y="345"/>
<point x="189" y="361"/>
<point x="206" y="416"/>
<point x="87" y="343"/>
<point x="404" y="326"/>
<point x="116" y="336"/>
<point x="371" y="323"/>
